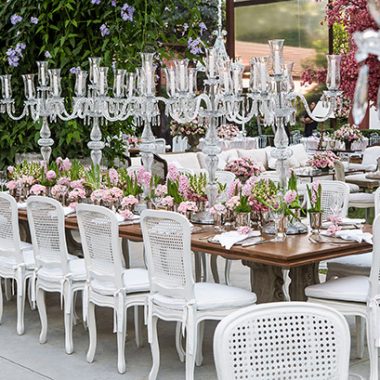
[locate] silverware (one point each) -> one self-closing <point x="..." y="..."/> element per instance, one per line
<point x="262" y="241"/>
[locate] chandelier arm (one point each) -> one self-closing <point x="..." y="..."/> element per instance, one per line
<point x="14" y="117"/>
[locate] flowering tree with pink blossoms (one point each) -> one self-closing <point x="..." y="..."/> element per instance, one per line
<point x="350" y="16"/>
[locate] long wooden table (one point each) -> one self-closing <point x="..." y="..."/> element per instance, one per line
<point x="279" y="271"/>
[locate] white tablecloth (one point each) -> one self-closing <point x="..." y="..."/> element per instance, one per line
<point x="237" y="143"/>
<point x="311" y="143"/>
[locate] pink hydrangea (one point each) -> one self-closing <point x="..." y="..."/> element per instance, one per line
<point x="38" y="190"/>
<point x="187" y="206"/>
<point x="184" y="185"/>
<point x="27" y="180"/>
<point x="129" y="201"/>
<point x="78" y="184"/>
<point x="63" y="164"/>
<point x="127" y="214"/>
<point x="144" y="177"/>
<point x="97" y="195"/>
<point x="58" y="190"/>
<point x="167" y="201"/>
<point x="233" y="188"/>
<point x="233" y="202"/>
<point x="51" y="175"/>
<point x="113" y="176"/>
<point x="11" y="185"/>
<point x="218" y="209"/>
<point x="76" y="194"/>
<point x="160" y="190"/>
<point x="63" y="181"/>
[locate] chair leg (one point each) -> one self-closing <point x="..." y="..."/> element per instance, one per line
<point x="227" y="271"/>
<point x="199" y="356"/>
<point x="69" y="317"/>
<point x="1" y="301"/>
<point x="191" y="342"/>
<point x="155" y="349"/>
<point x="214" y="268"/>
<point x="138" y="325"/>
<point x="75" y="315"/>
<point x="21" y="288"/>
<point x="178" y="342"/>
<point x="372" y="349"/>
<point x="31" y="304"/>
<point x="7" y="289"/>
<point x="204" y="267"/>
<point x="40" y="296"/>
<point x="360" y="333"/>
<point x="91" y="323"/>
<point x="121" y="329"/>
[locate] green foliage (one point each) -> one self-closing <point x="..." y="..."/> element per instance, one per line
<point x="198" y="184"/>
<point x="173" y="191"/>
<point x="93" y="177"/>
<point x="70" y="31"/>
<point x="243" y="205"/>
<point x="315" y="206"/>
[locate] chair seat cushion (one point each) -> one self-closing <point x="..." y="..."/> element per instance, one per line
<point x="209" y="296"/>
<point x="25" y="246"/>
<point x="364" y="260"/>
<point x="351" y="289"/>
<point x="77" y="269"/>
<point x="134" y="280"/>
<point x="353" y="188"/>
<point x="366" y="198"/>
<point x="10" y="262"/>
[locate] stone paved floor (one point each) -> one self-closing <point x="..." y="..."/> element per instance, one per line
<point x="23" y="358"/>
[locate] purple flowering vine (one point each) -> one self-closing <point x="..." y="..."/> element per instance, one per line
<point x="127" y="12"/>
<point x="47" y="54"/>
<point x="14" y="55"/>
<point x="95" y="2"/>
<point x="15" y="19"/>
<point x="113" y="3"/>
<point x="34" y="20"/>
<point x="195" y="46"/>
<point x="104" y="30"/>
<point x="202" y="27"/>
<point x="74" y="70"/>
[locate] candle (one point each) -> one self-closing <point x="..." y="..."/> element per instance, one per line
<point x="130" y="84"/>
<point x="119" y="83"/>
<point x="170" y="81"/>
<point x="263" y="76"/>
<point x="277" y="62"/>
<point x="80" y="83"/>
<point x="211" y="63"/>
<point x="333" y="74"/>
<point x="182" y="76"/>
<point x="226" y="77"/>
<point x="42" y="73"/>
<point x="6" y="83"/>
<point x="192" y="80"/>
<point x="236" y="79"/>
<point x="29" y="89"/>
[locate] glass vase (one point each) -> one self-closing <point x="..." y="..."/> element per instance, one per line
<point x="315" y="220"/>
<point x="219" y="222"/>
<point x="280" y="226"/>
<point x="243" y="219"/>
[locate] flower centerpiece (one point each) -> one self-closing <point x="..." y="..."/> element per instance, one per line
<point x="348" y="134"/>
<point x="243" y="168"/>
<point x="323" y="160"/>
<point x="193" y="131"/>
<point x="219" y="211"/>
<point x="239" y="204"/>
<point x="187" y="208"/>
<point x="314" y="193"/>
<point x="228" y="131"/>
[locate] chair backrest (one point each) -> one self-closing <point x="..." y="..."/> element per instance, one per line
<point x="9" y="228"/>
<point x="339" y="171"/>
<point x="225" y="177"/>
<point x="47" y="228"/>
<point x="374" y="277"/>
<point x="377" y="201"/>
<point x="374" y="138"/>
<point x="371" y="155"/>
<point x="335" y="196"/>
<point x="159" y="146"/>
<point x="99" y="231"/>
<point x="179" y="144"/>
<point x="167" y="242"/>
<point x="293" y="340"/>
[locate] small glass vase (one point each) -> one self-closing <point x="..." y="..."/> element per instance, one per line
<point x="219" y="222"/>
<point x="243" y="219"/>
<point x="315" y="219"/>
<point x="280" y="226"/>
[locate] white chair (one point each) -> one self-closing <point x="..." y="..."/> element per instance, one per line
<point x="369" y="161"/>
<point x="159" y="146"/>
<point x="108" y="283"/>
<point x="16" y="256"/>
<point x="56" y="270"/>
<point x="225" y="177"/>
<point x="174" y="294"/>
<point x="283" y="341"/>
<point x="340" y="176"/>
<point x="356" y="264"/>
<point x="179" y="144"/>
<point x="358" y="296"/>
<point x="334" y="196"/>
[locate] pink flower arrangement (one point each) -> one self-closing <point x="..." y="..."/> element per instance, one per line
<point x="233" y="202"/>
<point x="218" y="209"/>
<point x="322" y="160"/>
<point x="113" y="176"/>
<point x="160" y="190"/>
<point x="290" y="196"/>
<point x="51" y="175"/>
<point x="173" y="172"/>
<point x="127" y="214"/>
<point x="78" y="184"/>
<point x="76" y="194"/>
<point x="333" y="229"/>
<point x="243" y="167"/>
<point x="143" y="177"/>
<point x="63" y="164"/>
<point x="97" y="195"/>
<point x="348" y="133"/>
<point x="228" y="131"/>
<point x="129" y="201"/>
<point x="11" y="185"/>
<point x="73" y="205"/>
<point x="27" y="180"/>
<point x="112" y="195"/>
<point x="184" y="186"/>
<point x="64" y="181"/>
<point x="233" y="188"/>
<point x="58" y="191"/>
<point x="38" y="190"/>
<point x="167" y="201"/>
<point x="186" y="206"/>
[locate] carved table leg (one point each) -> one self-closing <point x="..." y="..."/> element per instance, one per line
<point x="273" y="284"/>
<point x="214" y="268"/>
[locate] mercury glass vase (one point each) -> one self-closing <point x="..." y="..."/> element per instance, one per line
<point x="315" y="219"/>
<point x="243" y="219"/>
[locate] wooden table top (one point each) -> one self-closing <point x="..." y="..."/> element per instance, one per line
<point x="294" y="251"/>
<point x="362" y="181"/>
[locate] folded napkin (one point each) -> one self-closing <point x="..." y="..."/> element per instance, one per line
<point x="345" y="222"/>
<point x="120" y="219"/>
<point x="353" y="235"/>
<point x="228" y="239"/>
<point x="68" y="210"/>
<point x="21" y="205"/>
